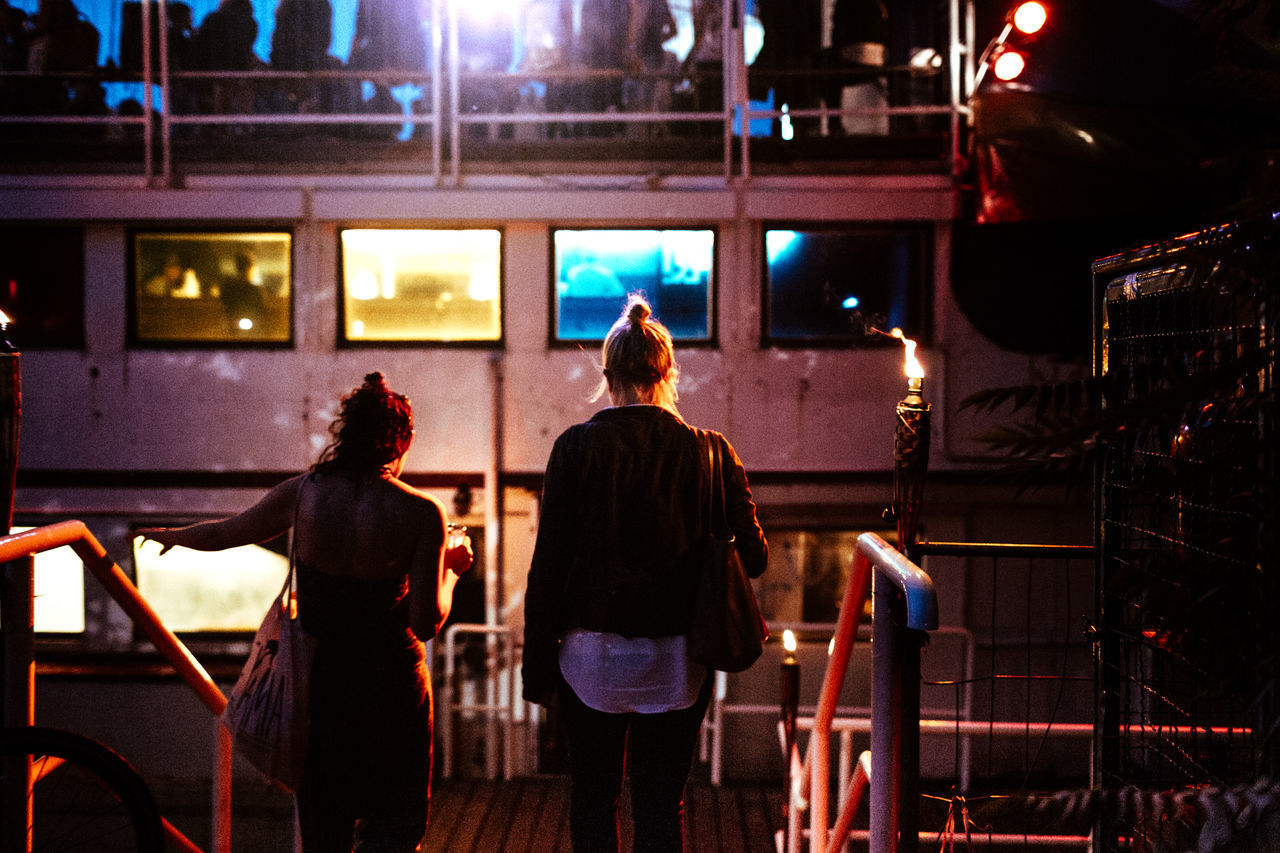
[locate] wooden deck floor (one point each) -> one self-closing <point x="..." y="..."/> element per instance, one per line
<point x="531" y="815"/>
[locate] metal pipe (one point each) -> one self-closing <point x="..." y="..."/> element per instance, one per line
<point x="221" y="805"/>
<point x="858" y="787"/>
<point x="886" y="721"/>
<point x="19" y="640"/>
<point x="815" y="777"/>
<point x="19" y="693"/>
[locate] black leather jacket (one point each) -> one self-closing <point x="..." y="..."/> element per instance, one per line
<point x="623" y="517"/>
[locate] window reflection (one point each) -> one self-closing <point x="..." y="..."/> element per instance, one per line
<point x="421" y="285"/>
<point x="202" y="591"/>
<point x="826" y="286"/>
<point x="596" y="269"/>
<point x="212" y="287"/>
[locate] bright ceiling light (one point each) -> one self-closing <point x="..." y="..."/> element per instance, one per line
<point x="1009" y="65"/>
<point x="1030" y="17"/>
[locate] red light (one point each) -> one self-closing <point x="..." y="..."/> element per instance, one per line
<point x="1009" y="65"/>
<point x="1030" y="17"/>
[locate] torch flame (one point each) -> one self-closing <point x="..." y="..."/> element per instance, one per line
<point x="788" y="640"/>
<point x="4" y="319"/>
<point x="911" y="365"/>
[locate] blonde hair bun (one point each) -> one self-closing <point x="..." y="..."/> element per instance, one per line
<point x="638" y="310"/>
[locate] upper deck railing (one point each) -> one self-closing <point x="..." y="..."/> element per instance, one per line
<point x="734" y="116"/>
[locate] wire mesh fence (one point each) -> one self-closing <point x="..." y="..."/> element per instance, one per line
<point x="1186" y="518"/>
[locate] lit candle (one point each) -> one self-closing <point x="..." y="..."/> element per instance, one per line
<point x="790" y="680"/>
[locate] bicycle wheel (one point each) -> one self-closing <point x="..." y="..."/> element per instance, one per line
<point x="84" y="796"/>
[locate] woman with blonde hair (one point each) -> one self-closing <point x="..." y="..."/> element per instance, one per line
<point x="374" y="581"/>
<point x="611" y="589"/>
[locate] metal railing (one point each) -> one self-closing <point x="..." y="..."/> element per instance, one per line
<point x="504" y="714"/>
<point x="904" y="607"/>
<point x="17" y="554"/>
<point x="445" y="118"/>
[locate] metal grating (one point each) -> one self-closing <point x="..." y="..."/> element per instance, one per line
<point x="1186" y="351"/>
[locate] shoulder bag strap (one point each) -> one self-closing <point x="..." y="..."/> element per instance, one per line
<point x="291" y="601"/>
<point x="717" y="515"/>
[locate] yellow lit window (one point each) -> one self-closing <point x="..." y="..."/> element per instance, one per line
<point x="199" y="591"/>
<point x="217" y="288"/>
<point x="421" y="285"/>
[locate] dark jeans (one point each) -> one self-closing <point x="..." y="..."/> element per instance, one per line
<point x="654" y="750"/>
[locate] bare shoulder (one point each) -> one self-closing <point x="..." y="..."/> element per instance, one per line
<point x="416" y="501"/>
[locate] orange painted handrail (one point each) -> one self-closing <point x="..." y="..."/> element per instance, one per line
<point x="76" y="535"/>
<point x="117" y="583"/>
<point x="873" y="555"/>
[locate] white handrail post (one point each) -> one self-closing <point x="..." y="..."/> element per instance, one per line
<point x="445" y="719"/>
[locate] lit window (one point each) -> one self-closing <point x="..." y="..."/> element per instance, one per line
<point x="215" y="288"/>
<point x="421" y="285"/>
<point x="210" y="591"/>
<point x="59" y="590"/>
<point x="596" y="269"/>
<point x="42" y="286"/>
<point x="829" y="286"/>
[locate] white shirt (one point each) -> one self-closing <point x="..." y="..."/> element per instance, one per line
<point x="621" y="675"/>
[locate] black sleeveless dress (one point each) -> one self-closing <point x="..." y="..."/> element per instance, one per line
<point x="369" y="753"/>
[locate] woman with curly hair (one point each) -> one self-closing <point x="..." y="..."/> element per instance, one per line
<point x="374" y="581"/>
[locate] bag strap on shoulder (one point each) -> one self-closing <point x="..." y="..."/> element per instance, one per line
<point x="717" y="514"/>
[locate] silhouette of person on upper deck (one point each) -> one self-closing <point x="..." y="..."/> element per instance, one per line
<point x="63" y="46"/>
<point x="390" y="35"/>
<point x="15" y="37"/>
<point x="300" y="42"/>
<point x="595" y="38"/>
<point x="224" y="42"/>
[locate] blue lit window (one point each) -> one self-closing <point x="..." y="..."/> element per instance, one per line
<point x="595" y="270"/>
<point x="827" y="286"/>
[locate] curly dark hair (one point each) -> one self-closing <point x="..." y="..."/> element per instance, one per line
<point x="374" y="428"/>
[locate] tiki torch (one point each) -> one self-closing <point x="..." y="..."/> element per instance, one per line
<point x="910" y="448"/>
<point x="10" y="419"/>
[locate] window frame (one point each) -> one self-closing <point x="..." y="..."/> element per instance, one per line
<point x="132" y="338"/>
<point x="711" y="341"/>
<point x="342" y="342"/>
<point x="919" y="293"/>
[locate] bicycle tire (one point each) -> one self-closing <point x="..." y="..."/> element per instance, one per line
<point x="87" y="798"/>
